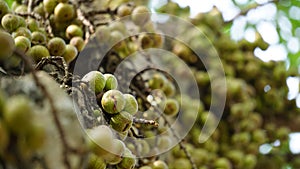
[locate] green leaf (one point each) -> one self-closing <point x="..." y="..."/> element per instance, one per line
<point x="227" y="27"/>
<point x="295" y="3"/>
<point x="294" y="59"/>
<point x="9" y="2"/>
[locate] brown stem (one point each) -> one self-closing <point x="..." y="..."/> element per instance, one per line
<point x="54" y="111"/>
<point x="87" y="23"/>
<point x="144" y="121"/>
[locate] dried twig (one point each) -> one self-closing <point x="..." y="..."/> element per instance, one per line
<point x="30" y="5"/>
<point x="144" y="121"/>
<point x="87" y="23"/>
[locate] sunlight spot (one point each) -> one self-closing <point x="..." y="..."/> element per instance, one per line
<point x="261" y="1"/>
<point x="298" y="101"/>
<point x="241" y="2"/>
<point x="265" y="148"/>
<point x="276" y="143"/>
<point x="238" y="27"/>
<point x="250" y="34"/>
<point x="268" y="32"/>
<point x="267" y="88"/>
<point x="294" y="13"/>
<point x="294" y="143"/>
<point x="293" y="45"/>
<point x="293" y="85"/>
<point x="274" y="52"/>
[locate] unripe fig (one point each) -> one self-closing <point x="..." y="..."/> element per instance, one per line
<point x="4" y="9"/>
<point x="182" y="51"/>
<point x="13" y="61"/>
<point x="144" y="147"/>
<point x="38" y="38"/>
<point x="39" y="9"/>
<point x="118" y="26"/>
<point x="182" y="163"/>
<point x="157" y="81"/>
<point x="249" y="161"/>
<point x="223" y="163"/>
<point x="145" y="41"/>
<point x="22" y="22"/>
<point x="169" y="88"/>
<point x="21" y="9"/>
<point x="172" y="107"/>
<point x="6" y="45"/>
<point x="164" y="143"/>
<point x="64" y="12"/>
<point x="128" y="161"/>
<point x="158" y="40"/>
<point x="113" y="101"/>
<point x="96" y="162"/>
<point x="146" y="167"/>
<point x="131" y="105"/>
<point x="236" y="156"/>
<point x="200" y="155"/>
<point x="96" y="81"/>
<point x="49" y="5"/>
<point x="122" y="121"/>
<point x="115" y="37"/>
<point x="18" y="114"/>
<point x="22" y="43"/>
<point x="115" y="154"/>
<point x="97" y="113"/>
<point x="56" y="46"/>
<point x="178" y="152"/>
<point x="100" y="140"/>
<point x="10" y="22"/>
<point x="124" y="10"/>
<point x="241" y="138"/>
<point x="22" y="31"/>
<point x="259" y="136"/>
<point x="70" y="53"/>
<point x="159" y="164"/>
<point x="73" y="30"/>
<point x="102" y="33"/>
<point x="110" y="82"/>
<point x="32" y="24"/>
<point x="60" y="27"/>
<point x="282" y="133"/>
<point x="38" y="52"/>
<point x="140" y="15"/>
<point x="78" y="42"/>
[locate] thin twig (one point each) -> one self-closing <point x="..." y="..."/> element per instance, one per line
<point x="30" y="4"/>
<point x="86" y="22"/>
<point x="144" y="121"/>
<point x="31" y="14"/>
